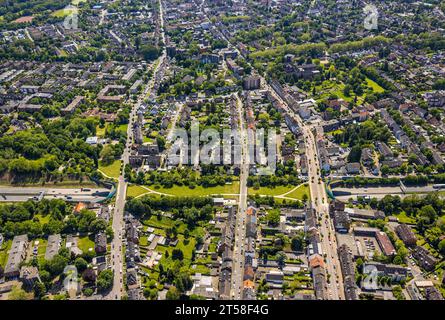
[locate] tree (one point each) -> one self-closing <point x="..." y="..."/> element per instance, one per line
<point x="183" y="282"/>
<point x="80" y="264"/>
<point x="161" y="142"/>
<point x="273" y="217"/>
<point x="89" y="275"/>
<point x="45" y="276"/>
<point x="384" y="170"/>
<point x="441" y="246"/>
<point x="107" y="155"/>
<point x="150" y="294"/>
<point x="88" y="292"/>
<point x="297" y="242"/>
<point x="429" y="213"/>
<point x="105" y="280"/>
<point x="177" y="254"/>
<point x="173" y="293"/>
<point x="56" y="265"/>
<point x="39" y="290"/>
<point x="149" y="52"/>
<point x="355" y="154"/>
<point x="281" y="259"/>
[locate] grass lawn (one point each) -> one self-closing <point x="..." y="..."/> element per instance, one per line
<point x="100" y="132"/>
<point x="41" y="248"/>
<point x="85" y="243"/>
<point x="135" y="190"/>
<point x="42" y="219"/>
<point x="113" y="170"/>
<point x="198" y="190"/>
<point x="165" y="222"/>
<point x="123" y="127"/>
<point x="403" y="218"/>
<point x="185" y="245"/>
<point x="162" y="223"/>
<point x="76" y="2"/>
<point x="374" y="85"/>
<point x="299" y="192"/>
<point x="338" y="131"/>
<point x="63" y="12"/>
<point x="143" y="241"/>
<point x="4" y="253"/>
<point x="270" y="191"/>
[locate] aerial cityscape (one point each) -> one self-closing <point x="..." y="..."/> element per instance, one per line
<point x="222" y="150"/>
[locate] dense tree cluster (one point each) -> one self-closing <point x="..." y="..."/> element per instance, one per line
<point x="191" y="209"/>
<point x="39" y="152"/>
<point x="21" y="218"/>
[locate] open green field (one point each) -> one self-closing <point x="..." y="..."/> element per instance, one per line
<point x="100" y="132"/>
<point x="198" y="190"/>
<point x="113" y="170"/>
<point x="279" y="190"/>
<point x="299" y="192"/>
<point x="135" y="190"/>
<point x="374" y="85"/>
<point x="403" y="218"/>
<point x="63" y="12"/>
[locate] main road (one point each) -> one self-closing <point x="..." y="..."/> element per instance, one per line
<point x="240" y="223"/>
<point x="117" y="256"/>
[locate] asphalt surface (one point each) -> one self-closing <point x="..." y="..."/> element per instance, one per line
<point x="240" y="226"/>
<point x="320" y="203"/>
<point x="117" y="254"/>
<point x="20" y="194"/>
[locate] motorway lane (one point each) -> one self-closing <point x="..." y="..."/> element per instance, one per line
<point x="117" y="256"/>
<point x="320" y="203"/>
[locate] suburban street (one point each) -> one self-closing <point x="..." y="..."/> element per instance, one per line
<point x="117" y="254"/>
<point x="327" y="232"/>
<point x="240" y="228"/>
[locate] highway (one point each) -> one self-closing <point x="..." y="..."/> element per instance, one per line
<point x="117" y="254"/>
<point x="20" y="194"/>
<point x="240" y="224"/>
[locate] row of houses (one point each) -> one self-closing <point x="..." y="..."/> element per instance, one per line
<point x="250" y="264"/>
<point x="225" y="249"/>
<point x="315" y="254"/>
